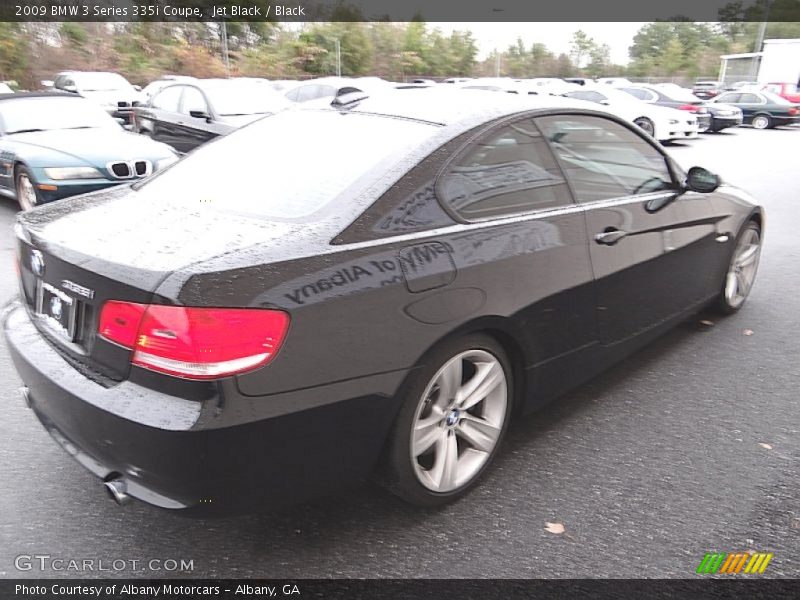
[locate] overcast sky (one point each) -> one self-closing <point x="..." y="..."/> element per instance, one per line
<point x="556" y="36"/>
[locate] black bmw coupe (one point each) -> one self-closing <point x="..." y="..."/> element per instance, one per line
<point x="390" y="282"/>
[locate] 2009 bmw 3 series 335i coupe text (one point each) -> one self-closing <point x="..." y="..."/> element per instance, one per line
<point x="374" y="288"/>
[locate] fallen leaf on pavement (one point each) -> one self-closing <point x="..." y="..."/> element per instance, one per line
<point x="556" y="528"/>
<point x="706" y="322"/>
<point x="748" y="332"/>
<point x="765" y="446"/>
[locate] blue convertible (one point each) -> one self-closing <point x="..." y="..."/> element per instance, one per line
<point x="58" y="145"/>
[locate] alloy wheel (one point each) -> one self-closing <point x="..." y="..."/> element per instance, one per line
<point x="646" y="125"/>
<point x="459" y="420"/>
<point x="26" y="193"/>
<point x="761" y="122"/>
<point x="743" y="267"/>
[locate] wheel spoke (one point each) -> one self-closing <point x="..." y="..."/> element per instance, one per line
<point x="426" y="432"/>
<point x="487" y="377"/>
<point x="445" y="465"/>
<point x="741" y="284"/>
<point x="480" y="434"/>
<point x="450" y="381"/>
<point x="731" y="286"/>
<point x="748" y="256"/>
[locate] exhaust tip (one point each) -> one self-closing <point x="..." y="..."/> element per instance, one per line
<point x="117" y="490"/>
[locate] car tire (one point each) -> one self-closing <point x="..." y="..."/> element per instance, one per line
<point x="742" y="268"/>
<point x="28" y="196"/>
<point x="762" y="122"/>
<point x="443" y="440"/>
<point x="646" y="125"/>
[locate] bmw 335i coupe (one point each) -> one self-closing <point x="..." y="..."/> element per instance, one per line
<point x="410" y="273"/>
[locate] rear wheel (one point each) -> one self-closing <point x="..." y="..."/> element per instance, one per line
<point x="646" y="124"/>
<point x="455" y="415"/>
<point x="741" y="270"/>
<point x="762" y="122"/>
<point x="27" y="194"/>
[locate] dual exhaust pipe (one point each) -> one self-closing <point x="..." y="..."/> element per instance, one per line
<point x="115" y="485"/>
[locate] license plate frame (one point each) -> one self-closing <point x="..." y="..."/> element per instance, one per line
<point x="57" y="309"/>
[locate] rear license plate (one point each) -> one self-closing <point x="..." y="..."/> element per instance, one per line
<point x="57" y="309"/>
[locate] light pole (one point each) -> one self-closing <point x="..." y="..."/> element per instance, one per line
<point x="225" y="58"/>
<point x="338" y="58"/>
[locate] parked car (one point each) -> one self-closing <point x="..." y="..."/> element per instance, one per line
<point x="614" y="81"/>
<point x="407" y="274"/>
<point x="706" y="89"/>
<point x="57" y="145"/>
<point x="762" y="110"/>
<point x="672" y="96"/>
<point x="329" y="87"/>
<point x="152" y="88"/>
<point x="110" y="90"/>
<point x="723" y="116"/>
<point x="456" y="79"/>
<point x="663" y="123"/>
<point x="787" y="91"/>
<point x="186" y="115"/>
<point x="5" y="89"/>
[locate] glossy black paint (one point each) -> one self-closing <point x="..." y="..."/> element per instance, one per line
<point x="372" y="284"/>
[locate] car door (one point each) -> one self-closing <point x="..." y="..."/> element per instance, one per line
<point x="751" y="104"/>
<point x="524" y="251"/>
<point x="196" y="123"/>
<point x="649" y="265"/>
<point x="159" y="118"/>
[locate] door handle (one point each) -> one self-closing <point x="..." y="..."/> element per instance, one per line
<point x="610" y="236"/>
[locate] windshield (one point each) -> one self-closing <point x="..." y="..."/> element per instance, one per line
<point x="676" y="92"/>
<point x="46" y="113"/>
<point x="101" y="82"/>
<point x="289" y="165"/>
<point x="245" y="99"/>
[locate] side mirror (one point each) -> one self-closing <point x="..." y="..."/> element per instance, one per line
<point x="72" y="89"/>
<point x="199" y="114"/>
<point x="138" y="88"/>
<point x="702" y="180"/>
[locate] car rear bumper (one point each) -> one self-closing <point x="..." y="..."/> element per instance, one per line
<point x="172" y="454"/>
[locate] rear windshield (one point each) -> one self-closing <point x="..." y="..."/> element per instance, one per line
<point x="288" y="165"/>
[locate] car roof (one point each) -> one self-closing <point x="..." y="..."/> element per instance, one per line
<point x="451" y="106"/>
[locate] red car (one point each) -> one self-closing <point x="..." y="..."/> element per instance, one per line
<point x="790" y="91"/>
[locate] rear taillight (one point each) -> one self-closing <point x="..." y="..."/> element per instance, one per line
<point x="691" y="107"/>
<point x="195" y="343"/>
<point x="793" y="111"/>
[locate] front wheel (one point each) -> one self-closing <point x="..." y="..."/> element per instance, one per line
<point x="646" y="124"/>
<point x="27" y="194"/>
<point x="761" y="122"/>
<point x="455" y="414"/>
<point x="741" y="270"/>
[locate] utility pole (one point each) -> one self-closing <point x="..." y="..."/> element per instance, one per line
<point x="762" y="30"/>
<point x="225" y="57"/>
<point x="496" y="63"/>
<point x="338" y="58"/>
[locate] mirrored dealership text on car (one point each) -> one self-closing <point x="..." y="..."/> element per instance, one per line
<point x="68" y="564"/>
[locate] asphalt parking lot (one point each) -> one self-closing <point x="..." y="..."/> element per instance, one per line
<point x="689" y="447"/>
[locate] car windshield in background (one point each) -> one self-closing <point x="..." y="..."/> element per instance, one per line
<point x="288" y="165"/>
<point x="102" y="82"/>
<point x="46" y="113"/>
<point x="775" y="99"/>
<point x="676" y="92"/>
<point x="245" y="99"/>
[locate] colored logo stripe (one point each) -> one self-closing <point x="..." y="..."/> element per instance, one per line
<point x="722" y="562"/>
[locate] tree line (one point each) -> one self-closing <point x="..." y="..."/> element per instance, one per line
<point x="143" y="51"/>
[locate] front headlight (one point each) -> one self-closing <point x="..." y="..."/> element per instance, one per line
<point x="60" y="173"/>
<point x="165" y="162"/>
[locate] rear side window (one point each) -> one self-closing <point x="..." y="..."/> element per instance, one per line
<point x="603" y="159"/>
<point x="505" y="172"/>
<point x="749" y="99"/>
<point x="734" y="97"/>
<point x="288" y="165"/>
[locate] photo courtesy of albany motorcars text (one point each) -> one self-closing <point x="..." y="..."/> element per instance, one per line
<point x="415" y="270"/>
